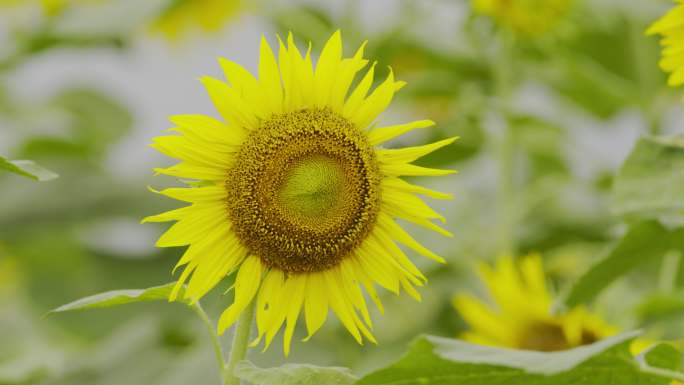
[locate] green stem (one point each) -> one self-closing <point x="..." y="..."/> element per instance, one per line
<point x="505" y="198"/>
<point x="645" y="76"/>
<point x="216" y="343"/>
<point x="506" y="194"/>
<point x="668" y="271"/>
<point x="240" y="344"/>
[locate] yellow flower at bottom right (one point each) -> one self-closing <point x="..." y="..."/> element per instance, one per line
<point x="520" y="315"/>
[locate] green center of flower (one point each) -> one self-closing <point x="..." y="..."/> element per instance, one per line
<point x="313" y="187"/>
<point x="304" y="191"/>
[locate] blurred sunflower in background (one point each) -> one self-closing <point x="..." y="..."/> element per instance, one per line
<point x="671" y="27"/>
<point x="521" y="316"/>
<point x="298" y="196"/>
<point x="180" y="17"/>
<point x="524" y="17"/>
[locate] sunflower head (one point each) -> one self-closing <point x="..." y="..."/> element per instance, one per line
<point x="521" y="314"/>
<point x="180" y="17"/>
<point x="671" y="28"/>
<point x="298" y="198"/>
<point x="525" y="18"/>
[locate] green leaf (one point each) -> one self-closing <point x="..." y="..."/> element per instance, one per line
<point x="643" y="242"/>
<point x="294" y="374"/>
<point x="663" y="356"/>
<point x="442" y="361"/>
<point x="118" y="297"/>
<point x="27" y="168"/>
<point x="659" y="306"/>
<point x="651" y="181"/>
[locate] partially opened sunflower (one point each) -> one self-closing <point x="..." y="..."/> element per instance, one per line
<point x="299" y="199"/>
<point x="520" y="315"/>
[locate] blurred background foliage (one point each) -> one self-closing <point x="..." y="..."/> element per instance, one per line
<point x="560" y="111"/>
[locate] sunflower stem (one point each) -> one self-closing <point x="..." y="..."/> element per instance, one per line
<point x="238" y="352"/>
<point x="215" y="342"/>
<point x="505" y="198"/>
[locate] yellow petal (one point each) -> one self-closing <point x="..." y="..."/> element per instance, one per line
<point x="246" y="285"/>
<point x="376" y="102"/>
<point x="210" y="194"/>
<point x="396" y="232"/>
<point x="209" y="129"/>
<point x="409" y="154"/>
<point x="294" y="286"/>
<point x="357" y="96"/>
<point x="316" y="304"/>
<point x="327" y="69"/>
<point x="230" y="104"/>
<point x="192" y="228"/>
<point x="401" y="185"/>
<point x="269" y="78"/>
<point x="343" y="80"/>
<point x="399" y="169"/>
<point x="383" y="134"/>
<point x="192" y="171"/>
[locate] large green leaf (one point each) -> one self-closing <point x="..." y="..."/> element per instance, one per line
<point x="643" y="242"/>
<point x="294" y="374"/>
<point x="651" y="181"/>
<point x="118" y="297"/>
<point x="27" y="168"/>
<point x="442" y="361"/>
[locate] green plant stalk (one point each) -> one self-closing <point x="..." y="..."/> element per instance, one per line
<point x="668" y="271"/>
<point x="240" y="344"/>
<point x="505" y="197"/>
<point x="645" y="78"/>
<point x="215" y="342"/>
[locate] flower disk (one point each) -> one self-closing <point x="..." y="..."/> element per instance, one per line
<point x="304" y="191"/>
<point x="293" y="193"/>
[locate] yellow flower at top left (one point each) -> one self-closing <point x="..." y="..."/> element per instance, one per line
<point x="671" y="28"/>
<point x="183" y="16"/>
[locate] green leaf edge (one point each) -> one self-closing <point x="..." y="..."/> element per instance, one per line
<point x="245" y="366"/>
<point x="27" y="168"/>
<point x="117" y="298"/>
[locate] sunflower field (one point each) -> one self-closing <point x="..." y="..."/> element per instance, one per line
<point x="309" y="192"/>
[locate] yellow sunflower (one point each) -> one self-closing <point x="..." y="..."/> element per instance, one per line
<point x="521" y="316"/>
<point x="299" y="199"/>
<point x="524" y="17"/>
<point x="183" y="16"/>
<point x="671" y="27"/>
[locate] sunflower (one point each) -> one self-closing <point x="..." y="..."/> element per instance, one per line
<point x="671" y="27"/>
<point x="297" y="196"/>
<point x="182" y="16"/>
<point x="524" y="17"/>
<point x="523" y="317"/>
